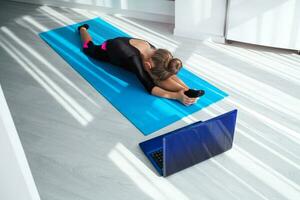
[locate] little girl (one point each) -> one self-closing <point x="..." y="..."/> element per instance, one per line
<point x="155" y="68"/>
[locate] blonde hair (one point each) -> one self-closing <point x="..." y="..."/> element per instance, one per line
<point x="164" y="65"/>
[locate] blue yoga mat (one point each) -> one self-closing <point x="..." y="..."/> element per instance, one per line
<point x="122" y="88"/>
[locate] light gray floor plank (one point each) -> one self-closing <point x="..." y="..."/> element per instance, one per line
<point x="80" y="147"/>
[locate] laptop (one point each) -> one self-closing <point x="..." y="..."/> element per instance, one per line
<point x="189" y="145"/>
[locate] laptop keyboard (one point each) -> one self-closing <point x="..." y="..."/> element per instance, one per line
<point x="158" y="157"/>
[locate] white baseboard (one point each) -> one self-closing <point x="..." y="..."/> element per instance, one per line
<point x="200" y="36"/>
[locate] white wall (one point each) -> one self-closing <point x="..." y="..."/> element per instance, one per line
<point x="273" y="23"/>
<point x="155" y="10"/>
<point x="200" y="19"/>
<point x="16" y="181"/>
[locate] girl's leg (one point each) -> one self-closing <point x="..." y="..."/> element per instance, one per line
<point x="89" y="48"/>
<point x="171" y="85"/>
<point x="179" y="81"/>
<point x="85" y="36"/>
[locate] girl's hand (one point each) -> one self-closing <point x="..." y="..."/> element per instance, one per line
<point x="185" y="100"/>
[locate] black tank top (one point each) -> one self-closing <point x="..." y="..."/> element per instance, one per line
<point x="122" y="53"/>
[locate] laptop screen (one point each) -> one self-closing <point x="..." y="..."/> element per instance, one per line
<point x="198" y="142"/>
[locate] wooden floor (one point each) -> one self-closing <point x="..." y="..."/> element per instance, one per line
<point x="80" y="147"/>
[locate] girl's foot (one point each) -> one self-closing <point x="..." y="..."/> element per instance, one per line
<point x="194" y="93"/>
<point x="86" y="26"/>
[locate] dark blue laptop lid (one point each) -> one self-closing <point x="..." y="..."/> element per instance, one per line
<point x="198" y="142"/>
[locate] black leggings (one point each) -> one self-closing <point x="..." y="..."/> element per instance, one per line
<point x="98" y="52"/>
<point x="120" y="53"/>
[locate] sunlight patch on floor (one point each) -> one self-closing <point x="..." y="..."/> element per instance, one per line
<point x="254" y="89"/>
<point x="153" y="185"/>
<point x="70" y="104"/>
<point x="262" y="60"/>
<point x="286" y="187"/>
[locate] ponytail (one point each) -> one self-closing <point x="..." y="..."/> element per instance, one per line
<point x="164" y="65"/>
<point x="174" y="65"/>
